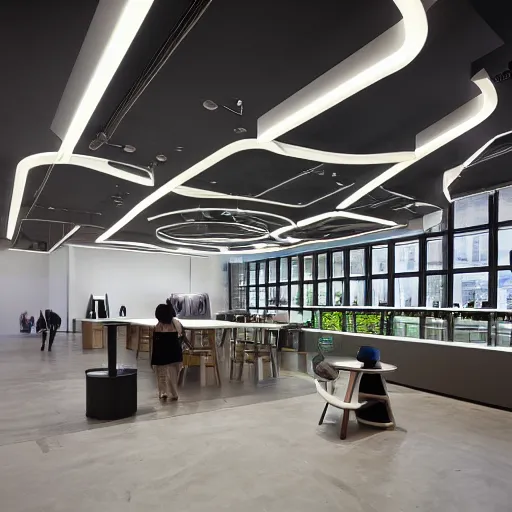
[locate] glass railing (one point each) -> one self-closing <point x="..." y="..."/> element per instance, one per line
<point x="476" y="326"/>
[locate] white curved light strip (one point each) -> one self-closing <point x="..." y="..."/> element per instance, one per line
<point x="385" y="55"/>
<point x="440" y="133"/>
<point x="90" y="162"/>
<point x="452" y="174"/>
<point x="67" y="236"/>
<point x="151" y="249"/>
<point x="111" y="32"/>
<point x="143" y="245"/>
<point x="263" y="233"/>
<point x="207" y="194"/>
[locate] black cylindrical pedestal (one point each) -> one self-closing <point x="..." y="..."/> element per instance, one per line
<point x="111" y="394"/>
<point x="111" y="398"/>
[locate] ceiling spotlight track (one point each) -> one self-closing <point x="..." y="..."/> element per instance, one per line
<point x="174" y="39"/>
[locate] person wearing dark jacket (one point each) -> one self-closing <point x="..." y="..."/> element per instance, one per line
<point x="50" y="321"/>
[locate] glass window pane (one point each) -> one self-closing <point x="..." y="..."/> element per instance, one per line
<point x="261" y="296"/>
<point x="357" y="262"/>
<point x="337" y="293"/>
<point x="471" y="289"/>
<point x="435" y="252"/>
<point x="252" y="297"/>
<point x="357" y="287"/>
<point x="272" y="271"/>
<point x="252" y="273"/>
<point x="436" y="291"/>
<point x="322" y="294"/>
<point x="322" y="266"/>
<point x="471" y="211"/>
<point x="295" y="298"/>
<point x="295" y="268"/>
<point x="283" y="295"/>
<point x="406" y="292"/>
<point x="407" y="257"/>
<point x="380" y="259"/>
<point x="505" y="204"/>
<point x="471" y="249"/>
<point x="308" y="295"/>
<point x="283" y="270"/>
<point x="504" y="245"/>
<point x="505" y="290"/>
<point x="308" y="268"/>
<point x="379" y="292"/>
<point x="272" y="296"/>
<point x="337" y="264"/>
<point x="262" y="276"/>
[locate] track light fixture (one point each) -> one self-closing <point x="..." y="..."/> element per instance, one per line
<point x="237" y="107"/>
<point x="102" y="139"/>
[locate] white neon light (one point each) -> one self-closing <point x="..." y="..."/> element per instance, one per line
<point x="90" y="162"/>
<point x="385" y="55"/>
<point x="123" y="18"/>
<point x="64" y="238"/>
<point x="149" y="251"/>
<point x="347" y="215"/>
<point x="440" y="133"/>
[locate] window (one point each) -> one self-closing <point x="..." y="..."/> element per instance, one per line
<point x="337" y="293"/>
<point x="505" y="204"/>
<point x="504" y="246"/>
<point x="322" y="266"/>
<point x="406" y="292"/>
<point x="295" y="268"/>
<point x="357" y="262"/>
<point x="379" y="292"/>
<point x="337" y="264"/>
<point x="436" y="291"/>
<point x="471" y="249"/>
<point x="504" y="290"/>
<point x="295" y="296"/>
<point x="262" y="277"/>
<point x="322" y="294"/>
<point x="283" y="296"/>
<point x="471" y="211"/>
<point x="380" y="259"/>
<point x="272" y="271"/>
<point x="435" y="253"/>
<point x="308" y="295"/>
<point x="272" y="296"/>
<point x="261" y="297"/>
<point x="252" y="273"/>
<point x="252" y="297"/>
<point x="308" y="268"/>
<point x="471" y="289"/>
<point x="357" y="287"/>
<point x="283" y="270"/>
<point x="407" y="257"/>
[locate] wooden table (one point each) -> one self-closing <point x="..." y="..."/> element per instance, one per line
<point x="371" y="389"/>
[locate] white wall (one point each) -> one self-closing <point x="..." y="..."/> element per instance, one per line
<point x="24" y="281"/>
<point x="58" y="284"/>
<point x="140" y="281"/>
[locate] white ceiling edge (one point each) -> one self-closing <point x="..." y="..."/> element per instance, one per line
<point x="67" y="236"/>
<point x="111" y="32"/>
<point x="440" y="133"/>
<point x="388" y="53"/>
<point x="89" y="162"/>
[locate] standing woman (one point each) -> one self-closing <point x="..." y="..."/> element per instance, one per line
<point x="167" y="355"/>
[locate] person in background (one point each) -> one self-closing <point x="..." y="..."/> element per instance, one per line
<point x="167" y="355"/>
<point x="50" y="321"/>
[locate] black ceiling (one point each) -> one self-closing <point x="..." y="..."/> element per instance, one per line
<point x="260" y="52"/>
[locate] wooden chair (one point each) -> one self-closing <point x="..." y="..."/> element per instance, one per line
<point x="351" y="402"/>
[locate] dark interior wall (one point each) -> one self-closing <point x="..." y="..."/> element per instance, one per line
<point x="480" y="374"/>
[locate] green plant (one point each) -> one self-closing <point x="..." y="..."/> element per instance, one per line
<point x="332" y="321"/>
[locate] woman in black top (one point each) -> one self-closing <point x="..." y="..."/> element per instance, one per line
<point x="167" y="356"/>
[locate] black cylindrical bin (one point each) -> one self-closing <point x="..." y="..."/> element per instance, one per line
<point x="111" y="394"/>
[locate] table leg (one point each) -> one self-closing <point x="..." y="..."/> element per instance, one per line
<point x="202" y="370"/>
<point x="388" y="402"/>
<point x="348" y="398"/>
<point x="323" y="414"/>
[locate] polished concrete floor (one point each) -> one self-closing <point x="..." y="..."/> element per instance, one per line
<point x="236" y="448"/>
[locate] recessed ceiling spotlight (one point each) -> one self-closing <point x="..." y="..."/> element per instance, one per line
<point x="179" y="149"/>
<point x="161" y="158"/>
<point x="129" y="149"/>
<point x="240" y="130"/>
<point x="210" y="105"/>
<point x="334" y="175"/>
<point x="213" y="182"/>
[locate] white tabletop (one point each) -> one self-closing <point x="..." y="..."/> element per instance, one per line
<point x="353" y="365"/>
<point x="189" y="324"/>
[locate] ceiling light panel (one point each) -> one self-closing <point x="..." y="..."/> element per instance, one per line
<point x="113" y="28"/>
<point x="67" y="236"/>
<point x="385" y="55"/>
